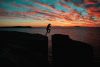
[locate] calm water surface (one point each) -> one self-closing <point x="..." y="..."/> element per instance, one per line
<point x="87" y="35"/>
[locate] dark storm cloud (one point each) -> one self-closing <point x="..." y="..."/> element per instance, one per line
<point x="78" y="1"/>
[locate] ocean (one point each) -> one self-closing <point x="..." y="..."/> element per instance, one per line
<point x="90" y="35"/>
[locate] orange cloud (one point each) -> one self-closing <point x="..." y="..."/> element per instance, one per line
<point x="94" y="11"/>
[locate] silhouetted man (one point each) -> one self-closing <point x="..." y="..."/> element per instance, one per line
<point x="48" y="29"/>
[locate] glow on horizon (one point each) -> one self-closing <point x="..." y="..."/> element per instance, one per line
<point x="43" y="23"/>
<point x="37" y="13"/>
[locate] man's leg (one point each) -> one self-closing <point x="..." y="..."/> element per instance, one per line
<point x="49" y="31"/>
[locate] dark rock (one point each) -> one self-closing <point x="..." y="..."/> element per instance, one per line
<point x="70" y="53"/>
<point x="18" y="49"/>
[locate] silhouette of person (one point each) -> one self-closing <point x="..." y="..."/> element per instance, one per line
<point x="48" y="29"/>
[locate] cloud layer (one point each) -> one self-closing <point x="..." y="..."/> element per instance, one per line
<point x="87" y="11"/>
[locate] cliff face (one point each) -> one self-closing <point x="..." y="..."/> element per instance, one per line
<point x="22" y="49"/>
<point x="67" y="52"/>
<point x="18" y="49"/>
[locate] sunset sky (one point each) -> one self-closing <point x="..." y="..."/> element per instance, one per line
<point x="57" y="12"/>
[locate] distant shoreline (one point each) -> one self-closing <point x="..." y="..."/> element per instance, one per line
<point x="17" y="27"/>
<point x="45" y="27"/>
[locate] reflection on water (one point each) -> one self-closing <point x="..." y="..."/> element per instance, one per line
<point x="88" y="35"/>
